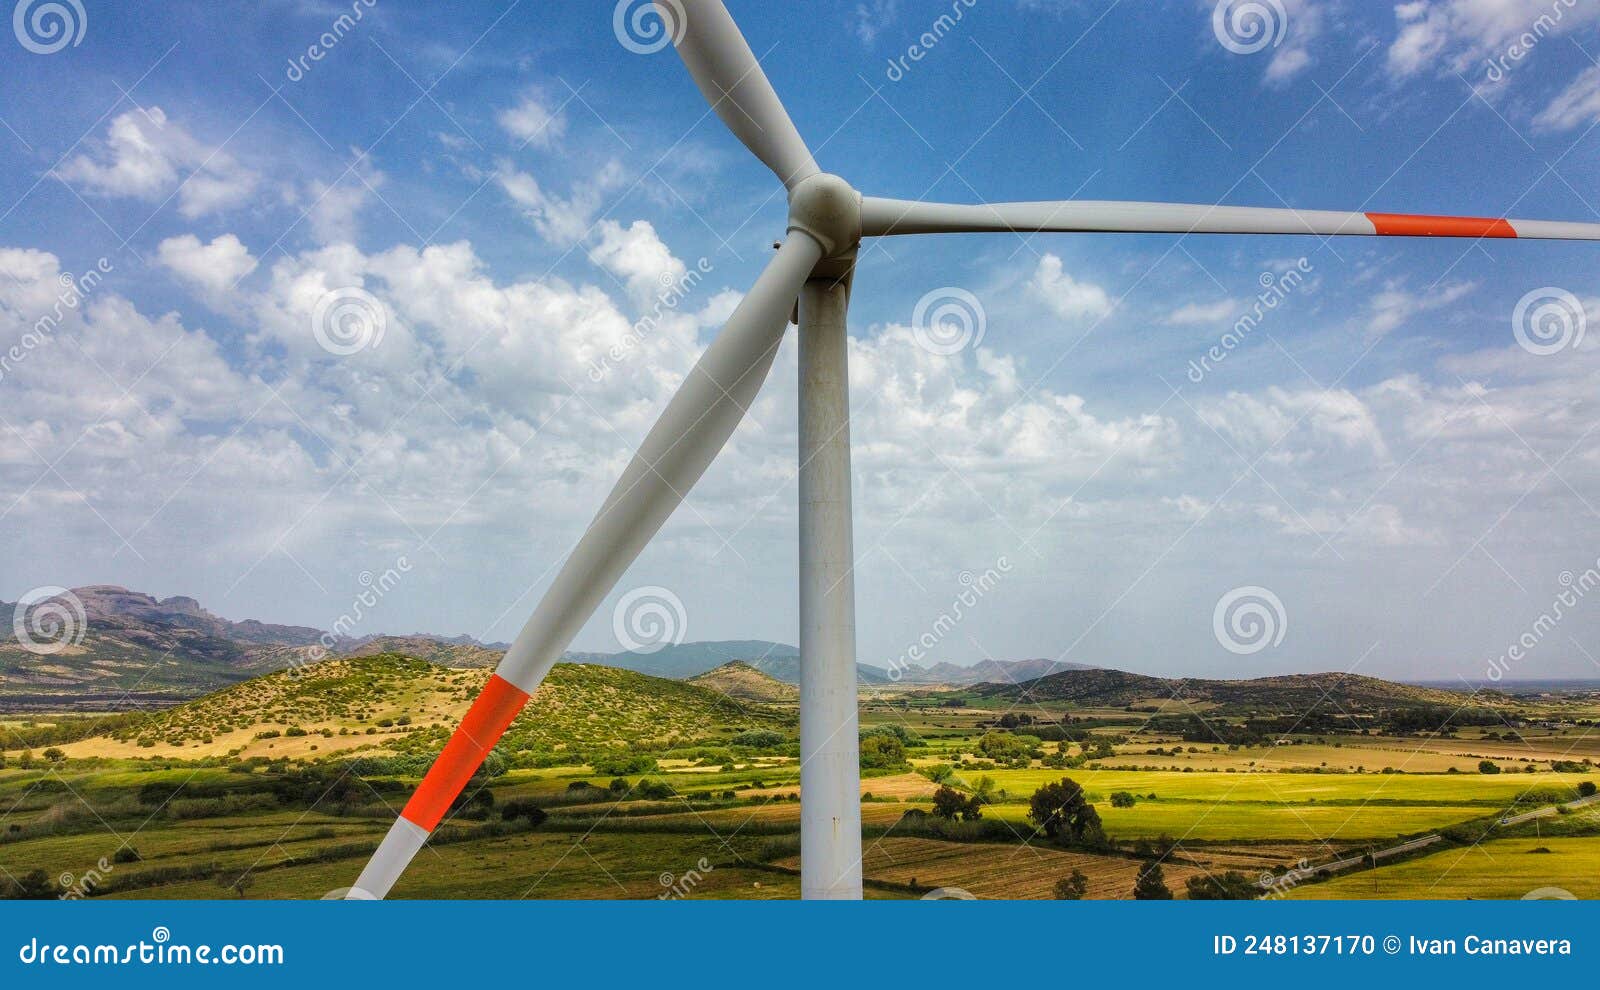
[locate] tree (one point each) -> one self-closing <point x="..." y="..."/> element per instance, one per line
<point x="1072" y="887"/>
<point x="1062" y="811"/>
<point x="25" y="761"/>
<point x="1487" y="766"/>
<point x="881" y="752"/>
<point x="1586" y="788"/>
<point x="1151" y="885"/>
<point x="1122" y="799"/>
<point x="1230" y="886"/>
<point x="54" y="755"/>
<point x="950" y="804"/>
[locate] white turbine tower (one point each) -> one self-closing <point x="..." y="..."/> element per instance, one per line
<point x="814" y="266"/>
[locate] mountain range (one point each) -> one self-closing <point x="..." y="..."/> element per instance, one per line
<point x="131" y="650"/>
<point x="126" y="649"/>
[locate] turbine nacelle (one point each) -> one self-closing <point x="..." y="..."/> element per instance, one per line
<point x="828" y="209"/>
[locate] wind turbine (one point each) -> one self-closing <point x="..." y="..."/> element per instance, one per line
<point x="815" y="265"/>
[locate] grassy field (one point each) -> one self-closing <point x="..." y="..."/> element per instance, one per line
<point x="645" y="788"/>
<point x="1503" y="869"/>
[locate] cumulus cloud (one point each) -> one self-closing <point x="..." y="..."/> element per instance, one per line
<point x="149" y="157"/>
<point x="561" y="220"/>
<point x="533" y="121"/>
<point x="214" y="267"/>
<point x="1066" y="296"/>
<point x="1454" y="35"/>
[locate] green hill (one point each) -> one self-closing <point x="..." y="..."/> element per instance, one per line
<point x="397" y="704"/>
<point x="743" y="682"/>
<point x="1288" y="693"/>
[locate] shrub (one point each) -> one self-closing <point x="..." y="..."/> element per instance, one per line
<point x="1122" y="799"/>
<point x="1072" y="887"/>
<point x="1230" y="886"/>
<point x="1151" y="885"/>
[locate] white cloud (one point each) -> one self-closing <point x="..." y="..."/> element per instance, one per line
<point x="871" y="17"/>
<point x="334" y="210"/>
<point x="562" y="221"/>
<point x="1455" y="35"/>
<point x="1193" y="314"/>
<point x="533" y="121"/>
<point x="214" y="267"/>
<point x="636" y="255"/>
<point x="1066" y="296"/>
<point x="146" y="156"/>
<point x="1306" y="22"/>
<point x="1396" y="305"/>
<point x="1576" y="106"/>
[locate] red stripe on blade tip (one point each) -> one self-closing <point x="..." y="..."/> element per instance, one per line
<point x="1408" y="225"/>
<point x="486" y="721"/>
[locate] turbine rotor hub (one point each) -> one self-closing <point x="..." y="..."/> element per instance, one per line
<point x="829" y="209"/>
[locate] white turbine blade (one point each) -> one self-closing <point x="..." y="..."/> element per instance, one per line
<point x="880" y="217"/>
<point x="731" y="80"/>
<point x="677" y="451"/>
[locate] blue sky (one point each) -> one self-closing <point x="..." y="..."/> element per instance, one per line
<point x="509" y="186"/>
